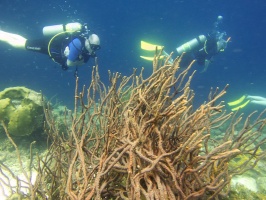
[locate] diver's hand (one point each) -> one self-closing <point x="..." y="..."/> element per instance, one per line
<point x="66" y="52"/>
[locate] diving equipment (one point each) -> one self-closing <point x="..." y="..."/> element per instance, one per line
<point x="237" y="104"/>
<point x="240" y="106"/>
<point x="191" y="45"/>
<point x="55" y="29"/>
<point x="149" y="47"/>
<point x="149" y="58"/>
<point x="94" y="39"/>
<point x="153" y="47"/>
<point x="238" y="101"/>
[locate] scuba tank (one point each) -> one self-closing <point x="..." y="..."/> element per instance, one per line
<point x="191" y="45"/>
<point x="55" y="29"/>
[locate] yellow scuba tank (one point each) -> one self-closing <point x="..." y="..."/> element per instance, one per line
<point x="55" y="29"/>
<point x="191" y="45"/>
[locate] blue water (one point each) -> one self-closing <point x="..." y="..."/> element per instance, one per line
<point x="121" y="25"/>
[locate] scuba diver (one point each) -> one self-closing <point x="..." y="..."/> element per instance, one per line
<point x="245" y="100"/>
<point x="69" y="45"/>
<point x="204" y="48"/>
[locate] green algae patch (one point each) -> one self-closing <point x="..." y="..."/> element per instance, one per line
<point x="5" y="108"/>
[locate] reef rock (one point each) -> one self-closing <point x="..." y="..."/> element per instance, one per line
<point x="22" y="111"/>
<point x="247" y="182"/>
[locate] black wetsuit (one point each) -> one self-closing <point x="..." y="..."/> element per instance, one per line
<point x="55" y="46"/>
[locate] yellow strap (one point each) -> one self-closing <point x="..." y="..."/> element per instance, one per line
<point x="241" y="106"/>
<point x="204" y="47"/>
<point x="49" y="44"/>
<point x="228" y="39"/>
<point x="238" y="101"/>
<point x="149" y="47"/>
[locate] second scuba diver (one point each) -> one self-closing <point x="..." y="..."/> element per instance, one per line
<point x="202" y="48"/>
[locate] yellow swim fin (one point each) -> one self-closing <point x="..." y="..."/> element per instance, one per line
<point x="151" y="58"/>
<point x="241" y="106"/>
<point x="238" y="101"/>
<point x="149" y="47"/>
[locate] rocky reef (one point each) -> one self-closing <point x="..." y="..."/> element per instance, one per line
<point x="21" y="109"/>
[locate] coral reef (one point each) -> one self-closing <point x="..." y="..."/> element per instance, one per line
<point x="22" y="110"/>
<point x="142" y="139"/>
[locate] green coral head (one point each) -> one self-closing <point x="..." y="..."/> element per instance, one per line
<point x="21" y="109"/>
<point x="18" y="93"/>
<point x="5" y="108"/>
<point x="21" y="122"/>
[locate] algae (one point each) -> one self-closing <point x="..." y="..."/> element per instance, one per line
<point x="21" y="109"/>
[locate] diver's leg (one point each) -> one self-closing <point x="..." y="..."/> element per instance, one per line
<point x="256" y="98"/>
<point x="14" y="40"/>
<point x="263" y="103"/>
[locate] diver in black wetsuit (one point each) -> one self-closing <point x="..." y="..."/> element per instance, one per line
<point x="204" y="48"/>
<point x="69" y="45"/>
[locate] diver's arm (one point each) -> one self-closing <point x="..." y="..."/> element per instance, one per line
<point x="263" y="103"/>
<point x="256" y="98"/>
